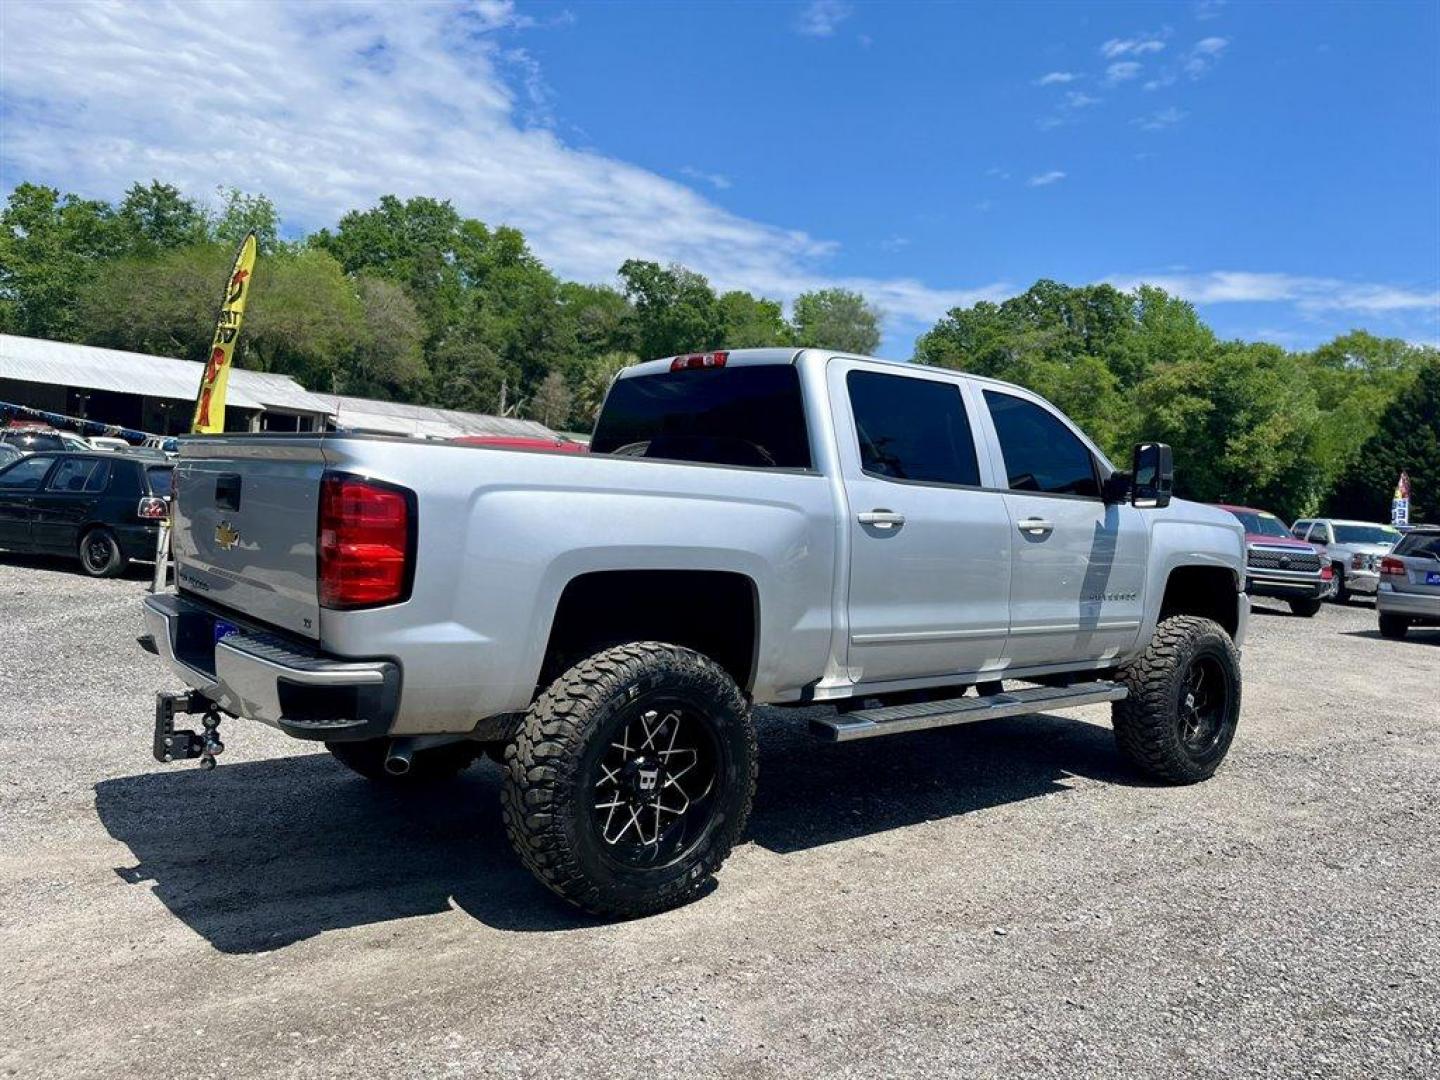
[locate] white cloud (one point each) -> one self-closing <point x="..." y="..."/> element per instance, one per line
<point x="1122" y="71"/>
<point x="821" y="18"/>
<point x="1077" y="99"/>
<point x="1136" y="46"/>
<point x="1208" y="9"/>
<point x="326" y="107"/>
<point x="1203" y="55"/>
<point x="1046" y="178"/>
<point x="719" y="181"/>
<point x="1310" y="294"/>
<point x="1055" y="77"/>
<point x="1160" y="119"/>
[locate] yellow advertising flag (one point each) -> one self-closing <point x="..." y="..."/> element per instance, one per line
<point x="210" y="405"/>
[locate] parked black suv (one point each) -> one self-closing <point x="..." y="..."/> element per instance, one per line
<point x="103" y="509"/>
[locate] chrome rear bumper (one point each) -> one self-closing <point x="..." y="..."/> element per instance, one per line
<point x="253" y="673"/>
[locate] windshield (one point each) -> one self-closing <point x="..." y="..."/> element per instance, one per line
<point x="749" y="415"/>
<point x="1257" y="521"/>
<point x="1366" y="534"/>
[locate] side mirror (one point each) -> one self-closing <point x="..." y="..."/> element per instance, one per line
<point x="1153" y="475"/>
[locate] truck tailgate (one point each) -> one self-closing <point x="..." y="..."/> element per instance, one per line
<point x="246" y="511"/>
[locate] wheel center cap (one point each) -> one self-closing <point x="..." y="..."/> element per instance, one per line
<point x="643" y="777"/>
<point x="1190" y="701"/>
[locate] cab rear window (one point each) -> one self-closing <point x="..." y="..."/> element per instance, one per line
<point x="750" y="416"/>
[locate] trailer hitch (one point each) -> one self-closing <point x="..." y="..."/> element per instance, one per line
<point x="172" y="744"/>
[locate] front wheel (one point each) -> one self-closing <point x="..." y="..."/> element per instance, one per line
<point x="1394" y="626"/>
<point x="1306" y="608"/>
<point x="1342" y="591"/>
<point x="1179" y="719"/>
<point x="631" y="779"/>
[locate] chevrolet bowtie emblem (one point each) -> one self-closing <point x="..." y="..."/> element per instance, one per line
<point x="226" y="535"/>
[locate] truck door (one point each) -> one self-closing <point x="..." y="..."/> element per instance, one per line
<point x="929" y="547"/>
<point x="1078" y="583"/>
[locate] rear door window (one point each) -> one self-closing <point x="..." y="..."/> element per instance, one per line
<point x="1041" y="454"/>
<point x="911" y="428"/>
<point x="748" y="415"/>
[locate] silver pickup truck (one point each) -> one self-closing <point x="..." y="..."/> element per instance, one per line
<point x="913" y="547"/>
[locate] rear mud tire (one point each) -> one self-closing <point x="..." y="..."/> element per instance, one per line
<point x="562" y="760"/>
<point x="436" y="764"/>
<point x="1306" y="609"/>
<point x="1153" y="725"/>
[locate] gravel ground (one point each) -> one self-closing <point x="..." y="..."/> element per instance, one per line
<point x="998" y="900"/>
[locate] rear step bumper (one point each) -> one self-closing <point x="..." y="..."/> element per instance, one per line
<point x="898" y="719"/>
<point x="261" y="676"/>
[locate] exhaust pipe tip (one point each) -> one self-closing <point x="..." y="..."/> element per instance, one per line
<point x="397" y="762"/>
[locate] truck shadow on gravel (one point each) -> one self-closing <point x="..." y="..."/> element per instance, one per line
<point x="259" y="855"/>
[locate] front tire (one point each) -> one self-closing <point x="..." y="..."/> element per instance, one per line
<point x="631" y="779"/>
<point x="1394" y="627"/>
<point x="100" y="554"/>
<point x="1342" y="591"/>
<point x="1306" y="608"/>
<point x="1180" y="717"/>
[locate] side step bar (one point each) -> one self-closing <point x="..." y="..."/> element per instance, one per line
<point x="897" y="719"/>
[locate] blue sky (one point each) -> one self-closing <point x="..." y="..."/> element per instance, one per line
<point x="1279" y="164"/>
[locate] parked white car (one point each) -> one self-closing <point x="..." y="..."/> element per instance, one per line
<point x="1353" y="549"/>
<point x="108" y="442"/>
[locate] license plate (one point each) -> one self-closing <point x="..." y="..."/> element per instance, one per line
<point x="1432" y="577"/>
<point x="224" y="629"/>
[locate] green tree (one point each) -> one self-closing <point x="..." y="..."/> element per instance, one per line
<point x="551" y="402"/>
<point x="240" y="214"/>
<point x="156" y="218"/>
<point x="1242" y="423"/>
<point x="752" y="322"/>
<point x="51" y="249"/>
<point x="836" y="319"/>
<point x="389" y="361"/>
<point x="674" y="310"/>
<point x="467" y="374"/>
<point x="1408" y="438"/>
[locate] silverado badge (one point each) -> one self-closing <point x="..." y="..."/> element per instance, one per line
<point x="226" y="535"/>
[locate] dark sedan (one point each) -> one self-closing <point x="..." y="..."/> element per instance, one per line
<point x="103" y="509"/>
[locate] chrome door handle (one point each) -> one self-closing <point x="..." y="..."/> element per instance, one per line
<point x="881" y="519"/>
<point x="1035" y="525"/>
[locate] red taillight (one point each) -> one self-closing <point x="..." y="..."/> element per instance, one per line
<point x="1392" y="567"/>
<point x="153" y="508"/>
<point x="699" y="360"/>
<point x="365" y="533"/>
